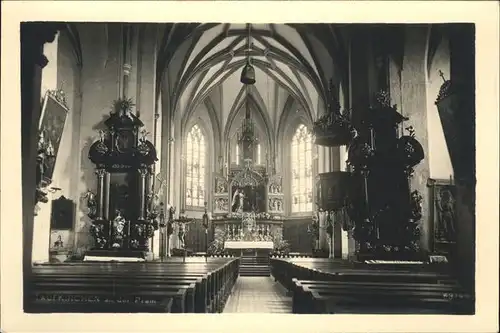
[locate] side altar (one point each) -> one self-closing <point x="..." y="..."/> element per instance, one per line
<point x="123" y="209"/>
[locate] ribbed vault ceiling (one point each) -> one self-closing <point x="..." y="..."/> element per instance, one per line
<point x="200" y="61"/>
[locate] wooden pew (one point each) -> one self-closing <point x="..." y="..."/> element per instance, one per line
<point x="226" y="273"/>
<point x="55" y="300"/>
<point x="285" y="270"/>
<point x="326" y="286"/>
<point x="182" y="294"/>
<point x="377" y="297"/>
<point x="196" y="284"/>
<point x="206" y="285"/>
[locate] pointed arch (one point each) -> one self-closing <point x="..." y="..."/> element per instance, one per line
<point x="301" y="172"/>
<point x="195" y="194"/>
<point x="216" y="124"/>
<point x="292" y="118"/>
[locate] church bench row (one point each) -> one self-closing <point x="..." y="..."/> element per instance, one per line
<point x="214" y="289"/>
<point x="205" y="294"/>
<point x="90" y="302"/>
<point x="343" y="264"/>
<point x="319" y="286"/>
<point x="162" y="275"/>
<point x="214" y="278"/>
<point x="91" y="299"/>
<point x="285" y="270"/>
<point x="378" y="297"/>
<point x="206" y="286"/>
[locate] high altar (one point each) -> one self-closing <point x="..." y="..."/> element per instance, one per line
<point x="248" y="211"/>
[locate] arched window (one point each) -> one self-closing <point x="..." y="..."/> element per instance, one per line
<point x="302" y="178"/>
<point x="195" y="168"/>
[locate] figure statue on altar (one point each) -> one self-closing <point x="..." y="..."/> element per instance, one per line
<point x="118" y="229"/>
<point x="182" y="235"/>
<point x="237" y="203"/>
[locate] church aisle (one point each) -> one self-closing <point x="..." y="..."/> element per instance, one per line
<point x="258" y="294"/>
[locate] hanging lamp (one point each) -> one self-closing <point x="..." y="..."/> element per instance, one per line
<point x="248" y="72"/>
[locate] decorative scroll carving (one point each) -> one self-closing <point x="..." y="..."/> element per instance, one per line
<point x="247" y="177"/>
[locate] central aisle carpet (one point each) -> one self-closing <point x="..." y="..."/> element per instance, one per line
<point x="258" y="294"/>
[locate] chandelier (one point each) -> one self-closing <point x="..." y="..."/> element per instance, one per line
<point x="246" y="136"/>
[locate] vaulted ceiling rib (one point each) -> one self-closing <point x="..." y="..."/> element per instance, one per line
<point x="282" y="54"/>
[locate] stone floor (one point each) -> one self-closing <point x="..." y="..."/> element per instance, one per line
<point x="259" y="294"/>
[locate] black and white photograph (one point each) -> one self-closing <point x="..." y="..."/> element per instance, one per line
<point x="235" y="168"/>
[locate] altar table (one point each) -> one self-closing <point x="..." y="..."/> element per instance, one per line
<point x="249" y="245"/>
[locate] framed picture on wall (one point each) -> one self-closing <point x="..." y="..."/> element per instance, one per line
<point x="63" y="213"/>
<point x="51" y="127"/>
<point x="443" y="210"/>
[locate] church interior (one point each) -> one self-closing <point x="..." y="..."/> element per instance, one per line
<point x="278" y="168"/>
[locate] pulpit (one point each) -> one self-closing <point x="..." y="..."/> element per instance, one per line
<point x="122" y="207"/>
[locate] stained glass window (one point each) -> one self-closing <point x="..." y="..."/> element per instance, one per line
<point x="302" y="178"/>
<point x="195" y="168"/>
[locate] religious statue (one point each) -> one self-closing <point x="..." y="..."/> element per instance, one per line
<point x="237" y="203"/>
<point x="91" y="204"/>
<point x="221" y="188"/>
<point x="102" y="135"/>
<point x="171" y="212"/>
<point x="182" y="235"/>
<point x="118" y="229"/>
<point x="44" y="151"/>
<point x="144" y="135"/>
<point x="446" y="214"/>
<point x="170" y="221"/>
<point x="58" y="243"/>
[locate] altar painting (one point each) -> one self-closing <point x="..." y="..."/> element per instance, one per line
<point x="52" y="121"/>
<point x="248" y="198"/>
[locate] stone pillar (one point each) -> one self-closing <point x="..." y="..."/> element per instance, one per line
<point x="414" y="102"/>
<point x="358" y="72"/>
<point x="323" y="166"/>
<point x="41" y="230"/>
<point x="461" y="119"/>
<point x="344" y="239"/>
<point x="33" y="37"/>
<point x="359" y="91"/>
